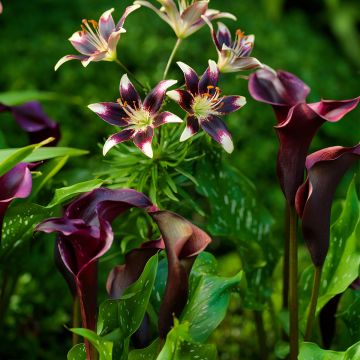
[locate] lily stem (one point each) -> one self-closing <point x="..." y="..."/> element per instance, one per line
<point x="285" y="300"/>
<point x="313" y="303"/>
<point x="130" y="73"/>
<point x="293" y="286"/>
<point x="259" y="322"/>
<point x="76" y="319"/>
<point x="171" y="58"/>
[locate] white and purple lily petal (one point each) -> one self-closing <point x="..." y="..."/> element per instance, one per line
<point x="192" y="127"/>
<point x="185" y="17"/>
<point x="216" y="128"/>
<point x="97" y="41"/>
<point x="191" y="78"/>
<point x="209" y="79"/>
<point x="138" y="118"/>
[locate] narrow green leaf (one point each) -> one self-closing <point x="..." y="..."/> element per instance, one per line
<point x="65" y="194"/>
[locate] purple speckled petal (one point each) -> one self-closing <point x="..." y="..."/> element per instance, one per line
<point x="128" y="92"/>
<point x="155" y="98"/>
<point x="191" y="77"/>
<point x="183" y="97"/>
<point x="192" y="127"/>
<point x="143" y="140"/>
<point x="165" y="118"/>
<point x="118" y="138"/>
<point x="223" y="36"/>
<point x="229" y="104"/>
<point x="209" y="79"/>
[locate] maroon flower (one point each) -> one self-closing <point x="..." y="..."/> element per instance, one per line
<point x="32" y="119"/>
<point x="183" y="242"/>
<point x="314" y="198"/>
<point x="15" y="184"/>
<point x="139" y="119"/>
<point x="298" y="122"/>
<point x="85" y="234"/>
<point x="204" y="104"/>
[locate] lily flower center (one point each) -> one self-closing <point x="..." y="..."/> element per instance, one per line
<point x="91" y="28"/>
<point x="208" y="103"/>
<point x="139" y="117"/>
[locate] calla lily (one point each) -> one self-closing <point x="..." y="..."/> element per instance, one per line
<point x="32" y="119"/>
<point x="183" y="242"/>
<point x="234" y="55"/>
<point x="185" y="17"/>
<point x="139" y="119"/>
<point x="314" y="198"/>
<point x="85" y="234"/>
<point x="204" y="104"/>
<point x="97" y="41"/>
<point x="298" y="122"/>
<point x="15" y="184"/>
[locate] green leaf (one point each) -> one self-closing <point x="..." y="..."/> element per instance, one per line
<point x="77" y="352"/>
<point x="12" y="98"/>
<point x="342" y="263"/>
<point x="350" y="313"/>
<point x="103" y="347"/>
<point x="149" y="353"/>
<point x="236" y="214"/>
<point x="209" y="298"/>
<point x="19" y="223"/>
<point x="10" y="157"/>
<point x="38" y="154"/>
<point x="48" y="171"/>
<point x="180" y="346"/>
<point x="65" y="194"/>
<point x="310" y="351"/>
<point x="127" y="313"/>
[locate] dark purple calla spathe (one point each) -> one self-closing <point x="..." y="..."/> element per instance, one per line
<point x="297" y="121"/>
<point x="314" y="198"/>
<point x="15" y="184"/>
<point x="97" y="41"/>
<point x="85" y="234"/>
<point x="138" y="119"/>
<point x="183" y="241"/>
<point x="204" y="104"/>
<point x="32" y="119"/>
<point x="234" y="55"/>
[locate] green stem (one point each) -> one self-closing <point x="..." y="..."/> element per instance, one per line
<point x="293" y="286"/>
<point x="130" y="73"/>
<point x="259" y="322"/>
<point x="76" y="319"/>
<point x="285" y="300"/>
<point x="171" y="58"/>
<point x="313" y="303"/>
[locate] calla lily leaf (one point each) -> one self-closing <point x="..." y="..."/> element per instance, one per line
<point x="209" y="298"/>
<point x="341" y="266"/>
<point x="33" y="153"/>
<point x="104" y="348"/>
<point x="77" y="352"/>
<point x="236" y="214"/>
<point x="64" y="194"/>
<point x="149" y="353"/>
<point x="311" y="351"/>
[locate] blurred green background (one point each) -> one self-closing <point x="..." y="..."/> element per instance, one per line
<point x="316" y="40"/>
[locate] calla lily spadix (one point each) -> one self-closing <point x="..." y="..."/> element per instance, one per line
<point x="138" y="119"/>
<point x="234" y="55"/>
<point x="297" y="121"/>
<point x="97" y="41"/>
<point x="185" y="17"/>
<point x="205" y="105"/>
<point x="314" y="198"/>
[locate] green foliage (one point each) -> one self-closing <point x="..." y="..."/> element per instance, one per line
<point x="310" y="351"/>
<point x="341" y="266"/>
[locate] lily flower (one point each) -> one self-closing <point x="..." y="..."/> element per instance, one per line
<point x="185" y="17"/>
<point x="297" y="121"/>
<point x="15" y="184"/>
<point x="32" y="119"/>
<point x="97" y="41"/>
<point x="205" y="105"/>
<point x="183" y="242"/>
<point x="139" y="119"/>
<point x="234" y="55"/>
<point x="85" y="234"/>
<point x="325" y="169"/>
